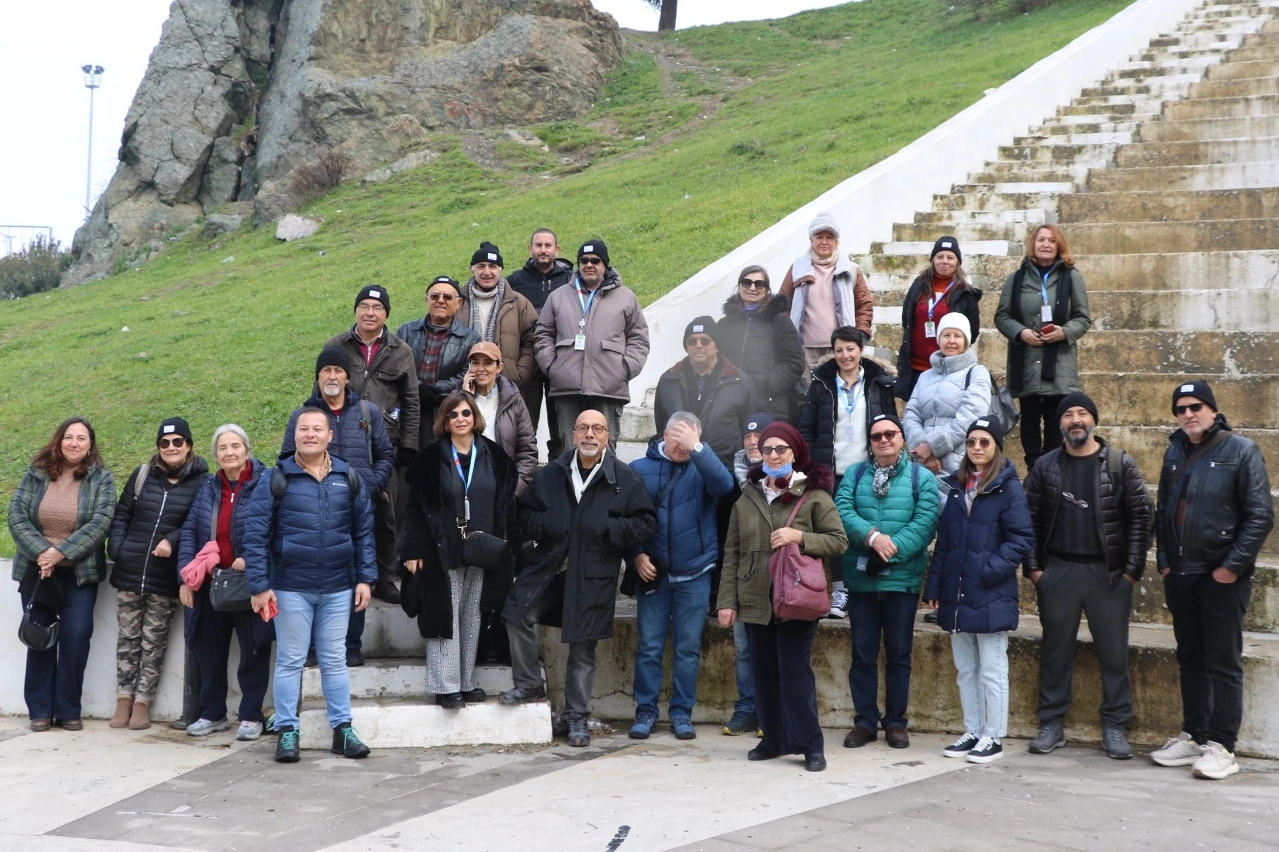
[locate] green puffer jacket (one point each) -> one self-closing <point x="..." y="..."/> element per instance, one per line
<point x="910" y="522"/>
<point x="744" y="585"/>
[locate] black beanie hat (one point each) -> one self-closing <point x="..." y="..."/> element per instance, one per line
<point x="594" y="247"/>
<point x="990" y="425"/>
<point x="1080" y="399"/>
<point x="174" y="426"/>
<point x="947" y="244"/>
<point x="1199" y="390"/>
<point x="701" y="325"/>
<point x="333" y="356"/>
<point x="374" y="291"/>
<point x="487" y="253"/>
<point x="445" y="279"/>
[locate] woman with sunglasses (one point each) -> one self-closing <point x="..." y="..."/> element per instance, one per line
<point x="785" y="689"/>
<point x="461" y="483"/>
<point x="59" y="517"/>
<point x="145" y="535"/>
<point x="984" y="534"/>
<point x="941" y="289"/>
<point x="757" y="336"/>
<point x="948" y="396"/>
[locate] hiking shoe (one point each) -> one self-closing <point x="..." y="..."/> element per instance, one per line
<point x="1114" y="741"/>
<point x="896" y="736"/>
<point x="682" y="728"/>
<point x="578" y="734"/>
<point x="1180" y="750"/>
<point x="248" y="731"/>
<point x="987" y="750"/>
<point x="743" y="722"/>
<point x="961" y="746"/>
<point x="524" y="694"/>
<point x="347" y="743"/>
<point x="203" y="727"/>
<point x="645" y="719"/>
<point x="1051" y="736"/>
<point x="1216" y="763"/>
<point x="859" y="736"/>
<point x="838" y="604"/>
<point x="287" y="749"/>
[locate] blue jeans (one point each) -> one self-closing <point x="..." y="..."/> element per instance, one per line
<point x="307" y="617"/>
<point x="872" y="615"/>
<point x="55" y="678"/>
<point x="742" y="670"/>
<point x="981" y="660"/>
<point x="682" y="607"/>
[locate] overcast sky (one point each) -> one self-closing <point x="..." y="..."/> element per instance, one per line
<point x="45" y="145"/>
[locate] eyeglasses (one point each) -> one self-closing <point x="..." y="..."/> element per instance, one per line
<point x="590" y="261"/>
<point x="752" y="284"/>
<point x="776" y="450"/>
<point x="1194" y="407"/>
<point x="698" y="340"/>
<point x="441" y="297"/>
<point x="594" y="428"/>
<point x="886" y="435"/>
<point x="459" y="412"/>
<point x="978" y="442"/>
<point x="178" y="441"/>
<point x="370" y="305"/>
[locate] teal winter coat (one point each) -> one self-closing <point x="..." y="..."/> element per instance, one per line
<point x="909" y="520"/>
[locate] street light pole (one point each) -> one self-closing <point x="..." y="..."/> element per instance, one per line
<point x="92" y="79"/>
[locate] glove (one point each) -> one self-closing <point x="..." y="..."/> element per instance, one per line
<point x="404" y="456"/>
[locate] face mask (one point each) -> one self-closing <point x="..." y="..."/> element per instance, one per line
<point x="784" y="470"/>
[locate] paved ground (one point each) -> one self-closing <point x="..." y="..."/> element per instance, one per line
<point x="122" y="791"/>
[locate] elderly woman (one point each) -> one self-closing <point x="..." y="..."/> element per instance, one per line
<point x="461" y="483"/>
<point x="215" y="517"/>
<point x="827" y="290"/>
<point x="785" y="690"/>
<point x="144" y="546"/>
<point x="757" y="336"/>
<point x="940" y="289"/>
<point x="1043" y="311"/>
<point x="955" y="391"/>
<point x="59" y="517"/>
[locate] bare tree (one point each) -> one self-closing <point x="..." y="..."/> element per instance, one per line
<point x="666" y="21"/>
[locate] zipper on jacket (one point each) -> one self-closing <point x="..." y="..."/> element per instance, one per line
<point x="146" y="562"/>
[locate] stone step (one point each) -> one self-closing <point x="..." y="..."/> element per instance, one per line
<point x="1253" y="53"/>
<point x="1194" y="153"/>
<point x="1187" y="178"/>
<point x="1022" y="218"/>
<point x="965" y="232"/>
<point x="1182" y="59"/>
<point x="1207" y="129"/>
<point x="1059" y="154"/>
<point x="988" y="198"/>
<point x="1143" y="399"/>
<point x="1234" y="70"/>
<point x="1058" y="127"/>
<point x="1144" y="237"/>
<point x="1252" y="105"/>
<point x="1122" y="137"/>
<point x="1181" y="312"/>
<point x="414" y="724"/>
<point x="1007" y="171"/>
<point x="400" y="677"/>
<point x="1169" y="205"/>
<point x="1238" y="88"/>
<point x="921" y="248"/>
<point x="1116" y="110"/>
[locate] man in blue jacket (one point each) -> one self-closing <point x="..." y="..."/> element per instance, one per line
<point x="684" y="479"/>
<point x="309" y="553"/>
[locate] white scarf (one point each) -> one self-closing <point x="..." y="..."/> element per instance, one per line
<point x="579" y="484"/>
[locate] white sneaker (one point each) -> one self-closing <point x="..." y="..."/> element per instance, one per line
<point x="249" y="731"/>
<point x="1181" y="750"/>
<point x="838" y="604"/>
<point x="1216" y="763"/>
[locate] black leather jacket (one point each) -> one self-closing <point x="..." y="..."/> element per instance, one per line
<point x="1228" y="508"/>
<point x="1123" y="516"/>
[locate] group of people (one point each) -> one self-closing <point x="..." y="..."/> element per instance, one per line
<point x="409" y="473"/>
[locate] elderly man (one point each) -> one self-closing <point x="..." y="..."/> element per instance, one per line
<point x="1092" y="530"/>
<point x="826" y="291"/>
<point x="440" y="345"/>
<point x="309" y="552"/>
<point x="499" y="314"/>
<point x="359" y="439"/>
<point x="380" y="370"/>
<point x="591" y="340"/>
<point x="584" y="511"/>
<point x="1213" y="517"/>
<point x="684" y="480"/>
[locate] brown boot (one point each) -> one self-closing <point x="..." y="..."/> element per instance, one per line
<point x="123" y="707"/>
<point x="140" y="719"/>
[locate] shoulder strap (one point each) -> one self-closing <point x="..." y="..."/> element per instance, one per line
<point x="1114" y="466"/>
<point x="857" y="477"/>
<point x="795" y="511"/>
<point x="365" y="407"/>
<point x="968" y="377"/>
<point x="279" y="483"/>
<point x="914" y="482"/>
<point x="1194" y="456"/>
<point x="140" y="479"/>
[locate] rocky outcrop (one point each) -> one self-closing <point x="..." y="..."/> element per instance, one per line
<point x="239" y="93"/>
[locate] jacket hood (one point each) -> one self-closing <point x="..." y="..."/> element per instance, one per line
<point x="1218" y="425"/>
<point x="817" y="476"/>
<point x="954" y="363"/>
<point x="559" y="266"/>
<point x="803" y="266"/>
<point x="727" y="370"/>
<point x="735" y="309"/>
<point x="195" y="466"/>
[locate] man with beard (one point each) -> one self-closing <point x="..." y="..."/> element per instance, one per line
<point x="1092" y="522"/>
<point x="543" y="272"/>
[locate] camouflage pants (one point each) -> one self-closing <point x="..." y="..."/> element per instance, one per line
<point x="144" y="621"/>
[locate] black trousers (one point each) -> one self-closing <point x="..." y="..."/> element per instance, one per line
<point x="785" y="689"/>
<point x="1207" y="621"/>
<point x="1040" y="427"/>
<point x="213" y="647"/>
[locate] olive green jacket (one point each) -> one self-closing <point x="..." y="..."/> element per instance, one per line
<point x="1076" y="325"/>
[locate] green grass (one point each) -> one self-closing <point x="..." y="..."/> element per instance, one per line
<point x="790" y="108"/>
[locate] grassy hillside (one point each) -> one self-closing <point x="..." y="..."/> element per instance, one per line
<point x="740" y="124"/>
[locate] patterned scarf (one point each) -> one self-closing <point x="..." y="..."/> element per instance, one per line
<point x="884" y="475"/>
<point x="487" y="330"/>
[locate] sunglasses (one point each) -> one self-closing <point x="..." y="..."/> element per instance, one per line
<point x="697" y="340"/>
<point x="777" y="450"/>
<point x="886" y="435"/>
<point x="459" y="412"/>
<point x="978" y="442"/>
<point x="165" y="443"/>
<point x="752" y="284"/>
<point x="1195" y="407"/>
<point x="441" y="297"/>
<point x="590" y="261"/>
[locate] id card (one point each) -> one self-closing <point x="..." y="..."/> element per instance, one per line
<point x="579" y="342"/>
<point x="848" y="432"/>
<point x="930" y="329"/>
<point x="1045" y="314"/>
<point x="861" y="563"/>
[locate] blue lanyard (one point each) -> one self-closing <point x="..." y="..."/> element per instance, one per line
<point x="850" y="401"/>
<point x="1043" y="285"/>
<point x="936" y="299"/>
<point x="586" y="303"/>
<point x="470" y="473"/>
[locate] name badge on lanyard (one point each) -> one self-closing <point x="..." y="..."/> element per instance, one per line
<point x="850" y="403"/>
<point x="579" y="342"/>
<point x="1045" y="310"/>
<point x="930" y="327"/>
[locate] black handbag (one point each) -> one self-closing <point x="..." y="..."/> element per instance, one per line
<point x="39" y="627"/>
<point x="229" y="591"/>
<point x="479" y="549"/>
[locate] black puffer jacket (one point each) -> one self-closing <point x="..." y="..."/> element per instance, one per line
<point x="141" y="521"/>
<point x="728" y="403"/>
<point x="1228" y="508"/>
<point x="1123" y="524"/>
<point x="817" y="417"/>
<point x="963" y="299"/>
<point x="530" y="283"/>
<point x="764" y="345"/>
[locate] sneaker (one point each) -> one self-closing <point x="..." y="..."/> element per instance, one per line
<point x="1051" y="736"/>
<point x="287" y="749"/>
<point x="987" y="750"/>
<point x="645" y="719"/>
<point x="524" y="694"/>
<point x="269" y="724"/>
<point x="743" y="722"/>
<point x="347" y="743"/>
<point x="838" y="604"/>
<point x="578" y="734"/>
<point x="1115" y="742"/>
<point x="203" y="727"/>
<point x="1181" y="750"/>
<point x="1216" y="763"/>
<point x="961" y="746"/>
<point x="682" y="728"/>
<point x="248" y="731"/>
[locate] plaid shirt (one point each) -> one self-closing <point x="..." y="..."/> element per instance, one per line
<point x="428" y="367"/>
<point x="84" y="546"/>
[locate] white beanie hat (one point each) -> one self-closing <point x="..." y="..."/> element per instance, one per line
<point x="959" y="321"/>
<point x="824" y="222"/>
